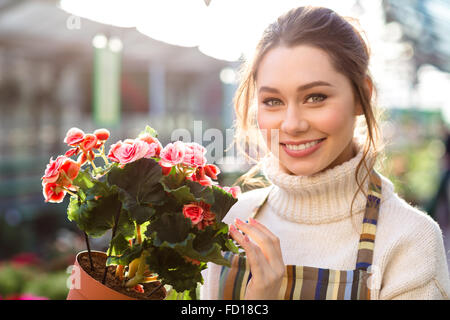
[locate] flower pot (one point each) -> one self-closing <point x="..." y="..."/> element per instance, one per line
<point x="86" y="284"/>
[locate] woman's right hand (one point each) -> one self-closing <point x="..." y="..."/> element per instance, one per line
<point x="264" y="257"/>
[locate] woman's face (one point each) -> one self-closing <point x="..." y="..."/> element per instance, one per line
<point x="324" y="110"/>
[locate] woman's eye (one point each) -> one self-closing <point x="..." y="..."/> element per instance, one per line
<point x="316" y="95"/>
<point x="270" y="102"/>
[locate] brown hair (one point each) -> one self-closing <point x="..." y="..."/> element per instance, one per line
<point x="339" y="37"/>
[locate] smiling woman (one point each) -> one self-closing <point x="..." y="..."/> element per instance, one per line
<point x="300" y="119"/>
<point x="304" y="95"/>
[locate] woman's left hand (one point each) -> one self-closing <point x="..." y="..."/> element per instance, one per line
<point x="264" y="257"/>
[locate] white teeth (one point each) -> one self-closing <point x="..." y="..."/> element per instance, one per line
<point x="302" y="146"/>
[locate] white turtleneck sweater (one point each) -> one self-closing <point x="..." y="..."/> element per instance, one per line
<point x="311" y="217"/>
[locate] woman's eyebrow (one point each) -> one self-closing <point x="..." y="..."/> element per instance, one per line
<point x="300" y="88"/>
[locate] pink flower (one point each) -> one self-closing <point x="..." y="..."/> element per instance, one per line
<point x="82" y="158"/>
<point x="208" y="219"/>
<point x="235" y="191"/>
<point x="212" y="171"/>
<point x="128" y="151"/>
<point x="165" y="170"/>
<point x="25" y="258"/>
<point x="200" y="214"/>
<point x="53" y="192"/>
<point x="154" y="145"/>
<point x="89" y="142"/>
<point x="26" y="296"/>
<point x="172" y="154"/>
<point x="193" y="212"/>
<point x="59" y="174"/>
<point x="52" y="171"/>
<point x="71" y="152"/>
<point x="194" y="155"/>
<point x="200" y="177"/>
<point x="102" y="134"/>
<point x="74" y="136"/>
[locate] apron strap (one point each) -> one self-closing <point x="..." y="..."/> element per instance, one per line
<point x="369" y="227"/>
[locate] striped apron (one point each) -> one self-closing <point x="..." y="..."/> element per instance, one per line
<point x="310" y="283"/>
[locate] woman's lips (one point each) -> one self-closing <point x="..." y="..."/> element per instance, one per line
<point x="304" y="152"/>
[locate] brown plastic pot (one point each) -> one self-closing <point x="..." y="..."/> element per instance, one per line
<point x="84" y="287"/>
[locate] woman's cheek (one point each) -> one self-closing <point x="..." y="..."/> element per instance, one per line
<point x="268" y="124"/>
<point x="332" y="121"/>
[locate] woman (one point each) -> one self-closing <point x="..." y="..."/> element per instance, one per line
<point x="328" y="226"/>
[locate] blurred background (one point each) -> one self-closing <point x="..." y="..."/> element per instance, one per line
<point x="125" y="64"/>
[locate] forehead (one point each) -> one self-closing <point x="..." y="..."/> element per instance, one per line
<point x="300" y="64"/>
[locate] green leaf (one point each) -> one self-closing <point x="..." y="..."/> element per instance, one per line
<point x="142" y="214"/>
<point x="173" y="270"/>
<point x="223" y="201"/>
<point x="231" y="246"/>
<point x="200" y="192"/>
<point x="182" y="194"/>
<point x="222" y="228"/>
<point x="127" y="256"/>
<point x="139" y="213"/>
<point x="186" y="248"/>
<point x="149" y="130"/>
<point x="94" y="217"/>
<point x="172" y="180"/>
<point x="140" y="180"/>
<point x="189" y="191"/>
<point x="84" y="180"/>
<point x="139" y="185"/>
<point x="126" y="226"/>
<point x="170" y="227"/>
<point x="118" y="245"/>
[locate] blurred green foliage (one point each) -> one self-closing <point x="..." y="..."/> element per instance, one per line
<point x="415" y="171"/>
<point x="31" y="280"/>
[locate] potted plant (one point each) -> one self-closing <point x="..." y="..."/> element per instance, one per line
<point x="163" y="206"/>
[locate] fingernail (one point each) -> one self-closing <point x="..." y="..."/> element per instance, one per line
<point x="232" y="228"/>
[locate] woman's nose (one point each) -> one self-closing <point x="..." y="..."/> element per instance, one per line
<point x="293" y="123"/>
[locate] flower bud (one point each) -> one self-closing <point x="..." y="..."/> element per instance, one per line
<point x="102" y="134"/>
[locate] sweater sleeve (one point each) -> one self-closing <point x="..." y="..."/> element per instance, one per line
<point x="432" y="290"/>
<point x="415" y="265"/>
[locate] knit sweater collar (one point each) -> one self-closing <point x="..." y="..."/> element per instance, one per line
<point x="324" y="197"/>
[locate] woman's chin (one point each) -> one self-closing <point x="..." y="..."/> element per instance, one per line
<point x="297" y="169"/>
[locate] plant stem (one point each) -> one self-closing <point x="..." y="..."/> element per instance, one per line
<point x="93" y="165"/>
<point x="89" y="250"/>
<point x="102" y="154"/>
<point x="70" y="192"/>
<point x="116" y="222"/>
<point x="181" y="173"/>
<point x="119" y="271"/>
<point x="138" y="233"/>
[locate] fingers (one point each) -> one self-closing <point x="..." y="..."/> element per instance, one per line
<point x="265" y="239"/>
<point x="264" y="229"/>
<point x="256" y="259"/>
<point x="264" y="257"/>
